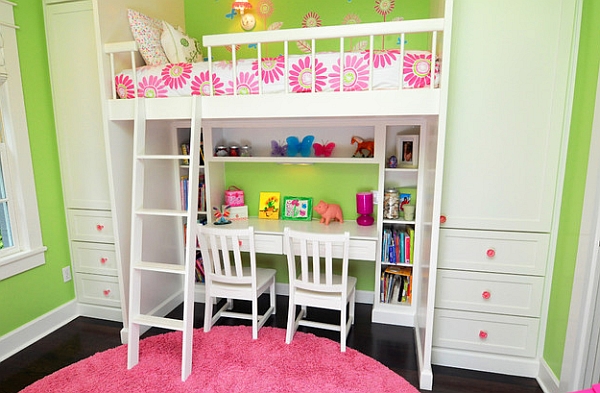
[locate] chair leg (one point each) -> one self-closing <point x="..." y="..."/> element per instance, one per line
<point x="273" y="297"/>
<point x="343" y="327"/>
<point x="352" y="303"/>
<point x="255" y="318"/>
<point x="208" y="309"/>
<point x="289" y="334"/>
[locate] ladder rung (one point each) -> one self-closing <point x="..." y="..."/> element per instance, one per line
<point x="159" y="322"/>
<point x="160" y="267"/>
<point x="162" y="157"/>
<point x="162" y="212"/>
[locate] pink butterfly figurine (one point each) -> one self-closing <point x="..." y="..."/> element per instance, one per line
<point x="323" y="150"/>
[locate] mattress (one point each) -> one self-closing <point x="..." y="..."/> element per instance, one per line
<point x="186" y="79"/>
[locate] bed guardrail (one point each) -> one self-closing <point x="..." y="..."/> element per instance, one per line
<point x="343" y="32"/>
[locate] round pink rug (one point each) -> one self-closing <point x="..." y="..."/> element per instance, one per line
<point x="228" y="360"/>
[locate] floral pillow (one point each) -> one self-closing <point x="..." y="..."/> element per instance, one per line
<point x="178" y="47"/>
<point x="146" y="32"/>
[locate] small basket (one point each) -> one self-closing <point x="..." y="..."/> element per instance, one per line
<point x="234" y="196"/>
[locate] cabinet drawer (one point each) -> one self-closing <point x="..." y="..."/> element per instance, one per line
<point x="489" y="292"/>
<point x="499" y="252"/>
<point x="91" y="225"/>
<point x="96" y="258"/>
<point x="489" y="333"/>
<point x="96" y="289"/>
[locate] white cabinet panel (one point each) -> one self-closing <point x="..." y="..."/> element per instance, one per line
<point x="77" y="106"/>
<point x="506" y="114"/>
<point x="96" y="258"/>
<point x="89" y="225"/>
<point x="96" y="289"/>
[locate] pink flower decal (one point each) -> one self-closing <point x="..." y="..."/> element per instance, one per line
<point x="265" y="8"/>
<point x="151" y="87"/>
<point x="301" y="75"/>
<point x="355" y="75"/>
<point x="124" y="85"/>
<point x="382" y="58"/>
<point x="384" y="7"/>
<point x="246" y="84"/>
<point x="271" y="68"/>
<point x="417" y="67"/>
<point x="312" y="19"/>
<point x="201" y="85"/>
<point x="176" y="75"/>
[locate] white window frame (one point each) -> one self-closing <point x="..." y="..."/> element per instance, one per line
<point x="18" y="175"/>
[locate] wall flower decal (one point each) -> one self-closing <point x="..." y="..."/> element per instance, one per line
<point x="384" y="7"/>
<point x="312" y="19"/>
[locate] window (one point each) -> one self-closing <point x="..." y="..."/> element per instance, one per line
<point x="22" y="247"/>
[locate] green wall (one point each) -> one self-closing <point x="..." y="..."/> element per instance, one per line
<point x="215" y="18"/>
<point x="31" y="294"/>
<point x="574" y="187"/>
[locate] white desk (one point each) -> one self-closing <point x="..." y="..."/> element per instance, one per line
<point x="268" y="235"/>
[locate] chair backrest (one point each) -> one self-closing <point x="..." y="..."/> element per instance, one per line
<point x="314" y="254"/>
<point x="222" y="249"/>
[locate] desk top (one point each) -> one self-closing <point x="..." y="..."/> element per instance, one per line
<point x="266" y="226"/>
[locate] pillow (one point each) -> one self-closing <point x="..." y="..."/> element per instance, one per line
<point x="178" y="47"/>
<point x="146" y="32"/>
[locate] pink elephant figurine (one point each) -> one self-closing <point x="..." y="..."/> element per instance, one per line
<point x="329" y="212"/>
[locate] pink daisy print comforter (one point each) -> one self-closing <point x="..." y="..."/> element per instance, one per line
<point x="184" y="79"/>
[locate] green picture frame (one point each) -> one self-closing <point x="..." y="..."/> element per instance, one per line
<point x="297" y="208"/>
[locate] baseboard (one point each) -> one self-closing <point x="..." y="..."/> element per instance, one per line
<point x="100" y="312"/>
<point x="546" y="378"/>
<point x="501" y="364"/>
<point x="37" y="329"/>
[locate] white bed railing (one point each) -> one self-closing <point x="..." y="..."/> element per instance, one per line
<point x="371" y="30"/>
<point x="285" y="36"/>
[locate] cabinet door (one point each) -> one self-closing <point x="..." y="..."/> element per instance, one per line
<point x="507" y="111"/>
<point x="77" y="106"/>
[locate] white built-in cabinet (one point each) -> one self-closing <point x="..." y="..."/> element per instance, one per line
<point x="508" y="117"/>
<point x="79" y="128"/>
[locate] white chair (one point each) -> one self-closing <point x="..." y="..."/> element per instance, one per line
<point x="227" y="277"/>
<point x="315" y="285"/>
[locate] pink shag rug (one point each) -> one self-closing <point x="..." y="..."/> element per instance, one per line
<point x="228" y="360"/>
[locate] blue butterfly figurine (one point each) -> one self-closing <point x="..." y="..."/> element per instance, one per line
<point x="294" y="146"/>
<point x="231" y="14"/>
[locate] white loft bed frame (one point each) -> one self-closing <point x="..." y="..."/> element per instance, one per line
<point x="122" y="113"/>
<point x="397" y="102"/>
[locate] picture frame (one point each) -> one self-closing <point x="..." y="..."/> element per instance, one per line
<point x="297" y="208"/>
<point x="269" y="205"/>
<point x="407" y="151"/>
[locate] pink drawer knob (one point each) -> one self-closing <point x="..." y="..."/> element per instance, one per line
<point x="483" y="334"/>
<point x="490" y="253"/>
<point x="99" y="227"/>
<point x="106" y="292"/>
<point x="486" y="295"/>
<point x="442" y="219"/>
<point x="103" y="260"/>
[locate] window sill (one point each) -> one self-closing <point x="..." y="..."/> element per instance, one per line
<point x="21" y="262"/>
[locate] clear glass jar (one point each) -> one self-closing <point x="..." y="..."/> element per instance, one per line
<point x="246" y="151"/>
<point x="391" y="204"/>
<point x="221" y="151"/>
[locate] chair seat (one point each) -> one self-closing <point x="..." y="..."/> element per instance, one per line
<point x="308" y="297"/>
<point x="263" y="279"/>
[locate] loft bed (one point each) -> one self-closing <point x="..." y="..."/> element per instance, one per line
<point x="380" y="83"/>
<point x="379" y="96"/>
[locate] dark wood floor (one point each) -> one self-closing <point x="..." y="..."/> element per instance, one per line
<point x="391" y="345"/>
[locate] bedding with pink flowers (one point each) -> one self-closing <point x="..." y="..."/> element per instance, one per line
<point x="186" y="79"/>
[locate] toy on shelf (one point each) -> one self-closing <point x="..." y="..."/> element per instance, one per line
<point x="294" y="146"/>
<point x="329" y="212"/>
<point x="363" y="148"/>
<point x="324" y="149"/>
<point x="221" y="216"/>
<point x="278" y="149"/>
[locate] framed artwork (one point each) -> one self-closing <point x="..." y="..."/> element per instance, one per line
<point x="407" y="151"/>
<point x="296" y="208"/>
<point x="268" y="205"/>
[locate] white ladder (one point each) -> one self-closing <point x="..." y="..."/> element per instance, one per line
<point x="186" y="267"/>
